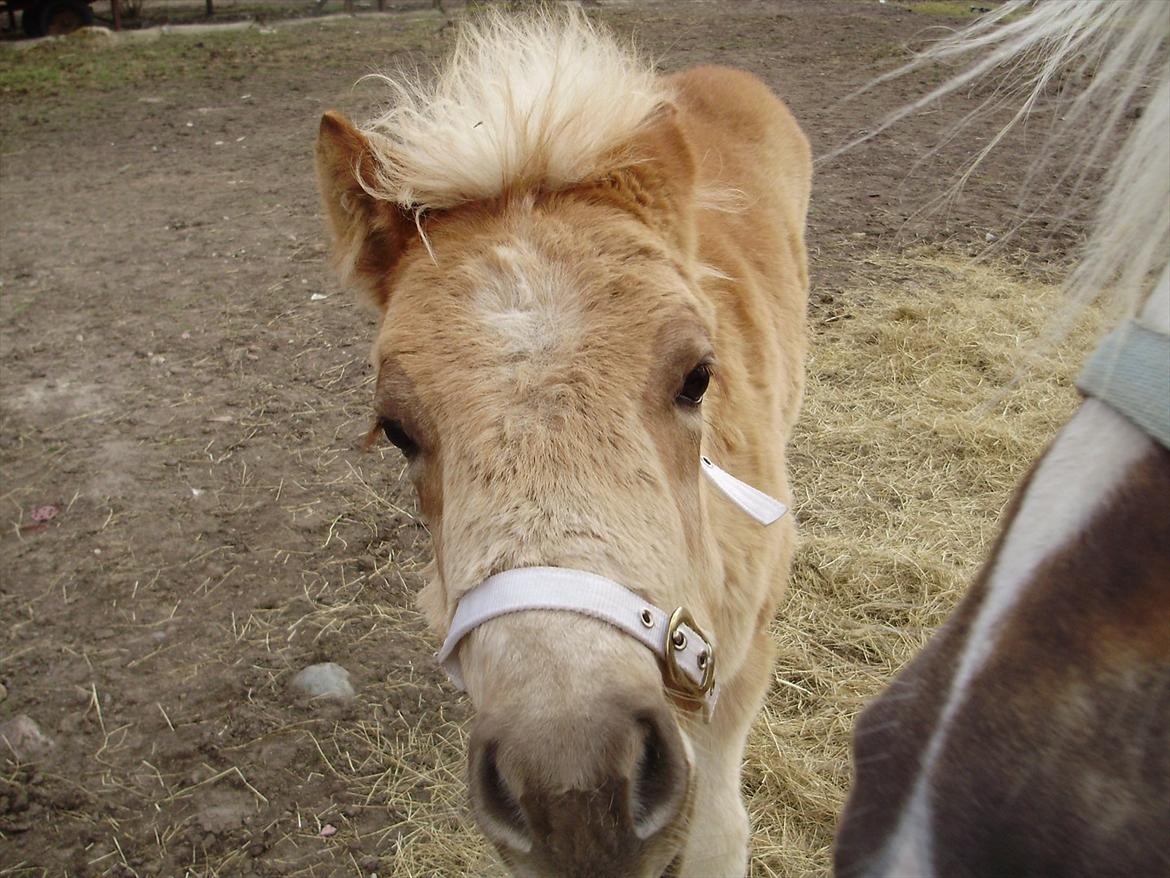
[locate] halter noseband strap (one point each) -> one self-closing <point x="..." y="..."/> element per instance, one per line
<point x="687" y="654"/>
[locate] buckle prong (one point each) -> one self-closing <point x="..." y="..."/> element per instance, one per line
<point x="676" y="642"/>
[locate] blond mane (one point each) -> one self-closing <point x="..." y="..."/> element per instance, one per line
<point x="1120" y="52"/>
<point x="538" y="100"/>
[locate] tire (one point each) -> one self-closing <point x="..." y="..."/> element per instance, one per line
<point x="64" y="16"/>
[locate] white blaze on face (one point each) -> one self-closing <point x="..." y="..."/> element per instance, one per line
<point x="526" y="306"/>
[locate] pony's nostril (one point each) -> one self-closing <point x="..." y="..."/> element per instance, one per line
<point x="659" y="780"/>
<point x="499" y="809"/>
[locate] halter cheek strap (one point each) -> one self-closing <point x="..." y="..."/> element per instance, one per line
<point x="686" y="653"/>
<point x="757" y="504"/>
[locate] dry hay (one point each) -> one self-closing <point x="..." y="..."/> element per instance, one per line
<point x="911" y="440"/>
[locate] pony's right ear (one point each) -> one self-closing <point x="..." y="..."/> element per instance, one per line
<point x="369" y="233"/>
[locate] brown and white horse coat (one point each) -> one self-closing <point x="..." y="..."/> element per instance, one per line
<point x="1032" y="735"/>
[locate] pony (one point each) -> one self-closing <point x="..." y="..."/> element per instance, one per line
<point x="1032" y="734"/>
<point x="573" y="330"/>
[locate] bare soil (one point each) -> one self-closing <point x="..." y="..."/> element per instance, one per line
<point x="175" y="384"/>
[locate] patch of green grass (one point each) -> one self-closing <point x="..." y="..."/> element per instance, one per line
<point x="950" y="8"/>
<point x="216" y="57"/>
<point x="26" y="78"/>
<point x="243" y="10"/>
<point x="58" y="65"/>
<point x="967" y="9"/>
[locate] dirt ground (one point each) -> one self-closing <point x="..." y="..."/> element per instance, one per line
<point x="186" y="383"/>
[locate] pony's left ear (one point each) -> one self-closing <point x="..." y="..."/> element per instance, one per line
<point x="655" y="179"/>
<point x="369" y="233"/>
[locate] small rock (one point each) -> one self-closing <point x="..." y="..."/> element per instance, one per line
<point x="23" y="737"/>
<point x="328" y="830"/>
<point x="326" y="680"/>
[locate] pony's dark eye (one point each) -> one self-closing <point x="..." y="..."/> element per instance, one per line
<point x="694" y="386"/>
<point x="399" y="437"/>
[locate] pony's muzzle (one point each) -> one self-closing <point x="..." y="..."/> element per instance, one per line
<point x="618" y="785"/>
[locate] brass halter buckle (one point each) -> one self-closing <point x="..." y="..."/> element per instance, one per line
<point x="676" y="642"/>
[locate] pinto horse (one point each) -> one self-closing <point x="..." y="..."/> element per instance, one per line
<point x="1032" y="735"/>
<point x="572" y="334"/>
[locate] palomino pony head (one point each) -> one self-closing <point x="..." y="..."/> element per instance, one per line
<point x="525" y="228"/>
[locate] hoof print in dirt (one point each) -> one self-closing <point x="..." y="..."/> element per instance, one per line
<point x="22" y="739"/>
<point x="326" y="680"/>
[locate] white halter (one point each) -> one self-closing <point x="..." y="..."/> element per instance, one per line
<point x="688" y="655"/>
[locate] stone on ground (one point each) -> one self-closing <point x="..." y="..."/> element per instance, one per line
<point x="22" y="737"/>
<point x="326" y="680"/>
